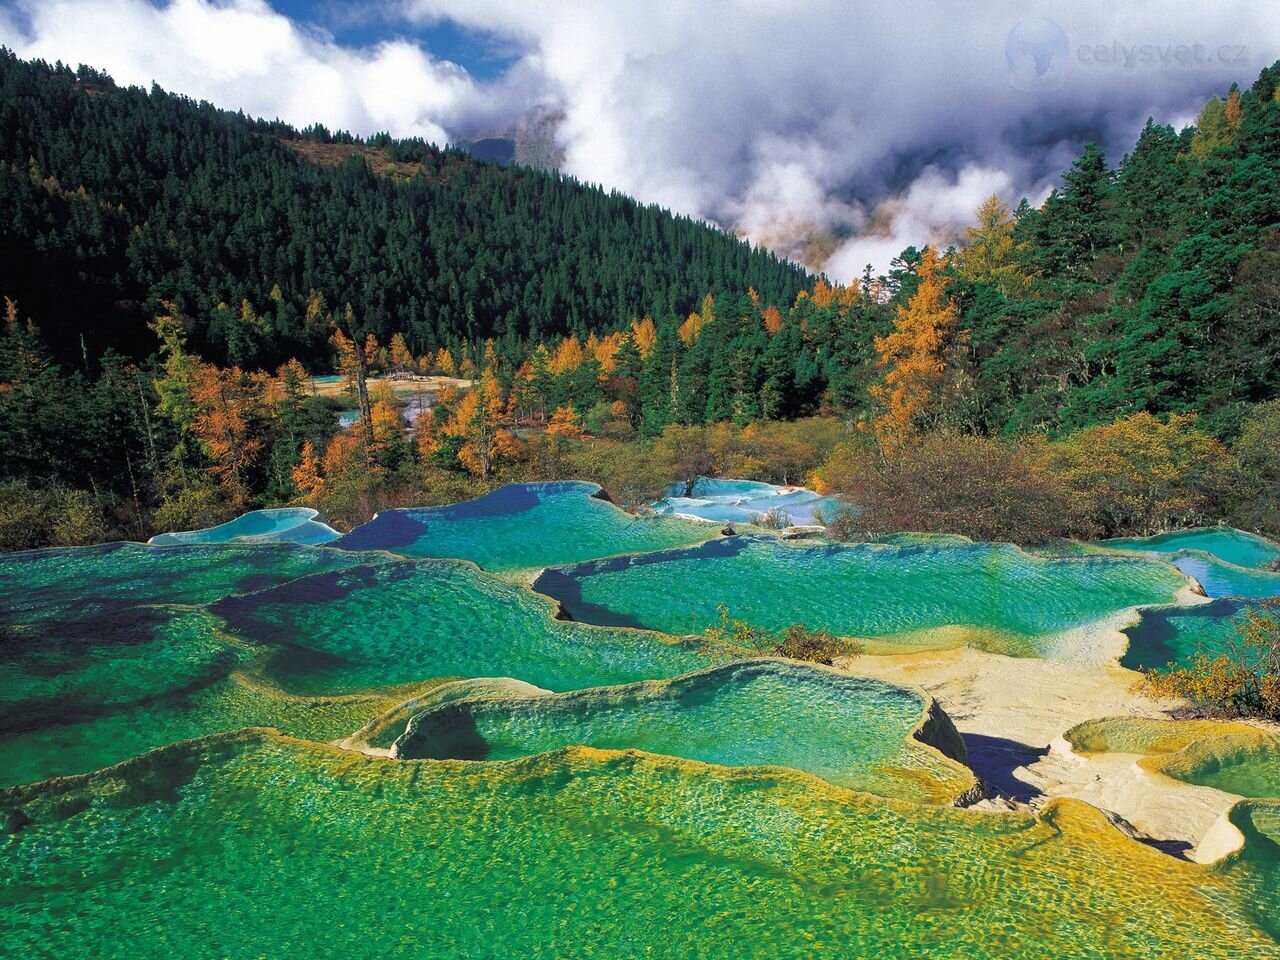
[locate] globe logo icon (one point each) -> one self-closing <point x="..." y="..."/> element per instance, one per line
<point x="1036" y="51"/>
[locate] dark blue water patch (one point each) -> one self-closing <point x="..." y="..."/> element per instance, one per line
<point x="238" y="610"/>
<point x="1158" y="638"/>
<point x="508" y="501"/>
<point x="403" y="528"/>
<point x="112" y="623"/>
<point x="387" y="531"/>
<point x="36" y="713"/>
<point x="567" y="591"/>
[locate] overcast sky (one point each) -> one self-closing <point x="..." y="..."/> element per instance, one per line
<point x="868" y="125"/>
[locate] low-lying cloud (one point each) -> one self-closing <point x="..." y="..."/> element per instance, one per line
<point x="834" y="132"/>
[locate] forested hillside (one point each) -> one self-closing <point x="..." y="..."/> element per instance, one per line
<point x="1104" y="363"/>
<point x="115" y="200"/>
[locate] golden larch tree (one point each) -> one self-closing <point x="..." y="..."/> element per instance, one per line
<point x="991" y="255"/>
<point x="914" y="356"/>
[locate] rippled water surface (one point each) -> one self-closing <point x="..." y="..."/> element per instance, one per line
<point x="847" y="730"/>
<point x="865" y="590"/>
<point x="524" y="525"/>
<point x="266" y="849"/>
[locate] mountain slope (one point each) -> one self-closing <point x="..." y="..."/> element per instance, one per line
<point x="113" y="200"/>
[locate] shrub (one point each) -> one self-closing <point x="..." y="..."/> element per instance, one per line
<point x="978" y="487"/>
<point x="1142" y="475"/>
<point x="734" y="637"/>
<point x="773" y="519"/>
<point x="1240" y="680"/>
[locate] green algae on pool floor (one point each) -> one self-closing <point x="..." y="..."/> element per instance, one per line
<point x="999" y="596"/>
<point x="253" y="845"/>
<point x="1153" y="736"/>
<point x="524" y="526"/>
<point x="412" y="620"/>
<point x="850" y="731"/>
<point x="1243" y="763"/>
<point x="76" y="698"/>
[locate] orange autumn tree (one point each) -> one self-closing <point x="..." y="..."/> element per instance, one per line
<point x="772" y="317"/>
<point x="477" y="421"/>
<point x="225" y="403"/>
<point x="565" y="423"/>
<point x="306" y="473"/>
<point x="401" y="356"/>
<point x="914" y="357"/>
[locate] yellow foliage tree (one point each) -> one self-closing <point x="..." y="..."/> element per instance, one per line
<point x="992" y="256"/>
<point x="477" y="420"/>
<point x="914" y="357"/>
<point x="568" y="356"/>
<point x="401" y="356"/>
<point x="565" y="423"/>
<point x="445" y="362"/>
<point x="823" y="294"/>
<point x="645" y="335"/>
<point x="306" y="473"/>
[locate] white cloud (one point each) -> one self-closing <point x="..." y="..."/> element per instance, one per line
<point x="242" y="54"/>
<point x="785" y="120"/>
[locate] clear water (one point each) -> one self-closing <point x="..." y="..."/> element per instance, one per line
<point x="902" y="595"/>
<point x="1227" y="544"/>
<point x="1248" y="765"/>
<point x="76" y="585"/>
<point x="1227" y="562"/>
<point x="1175" y="634"/>
<point x="284" y="525"/>
<point x="850" y="731"/>
<point x="524" y="526"/>
<point x="1225" y="580"/>
<point x="77" y="697"/>
<point x="744" y="501"/>
<point x="249" y="845"/>
<point x="259" y="847"/>
<point x="404" y="622"/>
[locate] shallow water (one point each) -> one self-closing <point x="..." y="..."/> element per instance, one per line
<point x="1244" y="764"/>
<point x="76" y="698"/>
<point x="283" y="525"/>
<point x="850" y="731"/>
<point x="1227" y="544"/>
<point x="85" y="582"/>
<point x="1226" y="562"/>
<point x="524" y="526"/>
<point x="745" y="501"/>
<point x="265" y="848"/>
<point x="1175" y="634"/>
<point x="408" y="621"/>
<point x="249" y="845"/>
<point x="1012" y="599"/>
